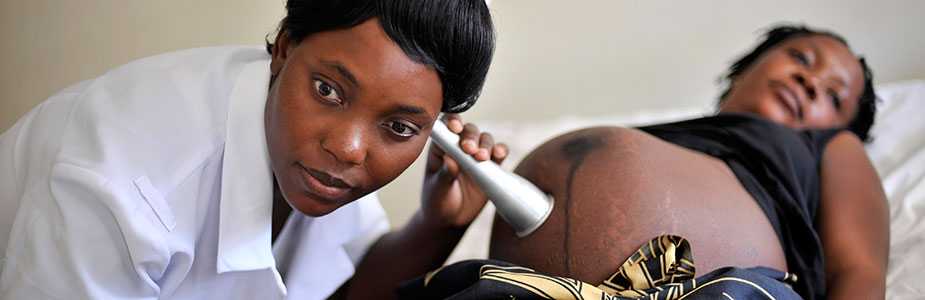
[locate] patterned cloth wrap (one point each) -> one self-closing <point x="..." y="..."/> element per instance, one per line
<point x="661" y="269"/>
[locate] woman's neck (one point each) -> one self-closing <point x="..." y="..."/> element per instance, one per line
<point x="281" y="211"/>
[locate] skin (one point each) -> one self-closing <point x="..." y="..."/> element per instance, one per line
<point x="350" y="104"/>
<point x="634" y="174"/>
<point x="815" y="82"/>
<point x="623" y="188"/>
<point x="810" y="82"/>
<point x="333" y="109"/>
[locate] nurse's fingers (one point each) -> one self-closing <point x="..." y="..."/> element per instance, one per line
<point x="453" y="122"/>
<point x="434" y="158"/>
<point x="468" y="139"/>
<point x="468" y="133"/>
<point x="450" y="166"/>
<point x="486" y="143"/>
<point x="499" y="153"/>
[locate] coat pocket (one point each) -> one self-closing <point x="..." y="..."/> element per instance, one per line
<point x="156" y="201"/>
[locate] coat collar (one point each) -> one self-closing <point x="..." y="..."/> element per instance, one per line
<point x="246" y="206"/>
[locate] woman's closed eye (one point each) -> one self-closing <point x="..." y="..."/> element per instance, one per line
<point x="799" y="56"/>
<point x="327" y="92"/>
<point x="836" y="100"/>
<point x="401" y="128"/>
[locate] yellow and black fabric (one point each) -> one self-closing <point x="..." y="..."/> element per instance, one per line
<point x="661" y="269"/>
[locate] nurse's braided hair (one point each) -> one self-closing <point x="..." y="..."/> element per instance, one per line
<point x="455" y="37"/>
<point x="867" y="104"/>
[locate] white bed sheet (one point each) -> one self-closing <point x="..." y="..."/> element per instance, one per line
<point x="898" y="153"/>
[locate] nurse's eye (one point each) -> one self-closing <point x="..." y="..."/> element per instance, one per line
<point x="799" y="56"/>
<point x="327" y="92"/>
<point x="402" y="129"/>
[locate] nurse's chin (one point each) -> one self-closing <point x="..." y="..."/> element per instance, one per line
<point x="315" y="206"/>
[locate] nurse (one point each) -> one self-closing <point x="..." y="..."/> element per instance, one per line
<point x="250" y="173"/>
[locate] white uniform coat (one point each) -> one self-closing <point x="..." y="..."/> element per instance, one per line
<point x="154" y="181"/>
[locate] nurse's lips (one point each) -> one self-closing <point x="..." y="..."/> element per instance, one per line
<point x="323" y="185"/>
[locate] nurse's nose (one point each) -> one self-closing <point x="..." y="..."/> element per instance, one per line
<point x="348" y="144"/>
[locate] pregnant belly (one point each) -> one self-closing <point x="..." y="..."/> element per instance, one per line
<point x="616" y="198"/>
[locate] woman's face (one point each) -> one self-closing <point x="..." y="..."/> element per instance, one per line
<point x="810" y="81"/>
<point x="347" y="113"/>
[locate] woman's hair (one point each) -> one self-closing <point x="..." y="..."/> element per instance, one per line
<point x="455" y="37"/>
<point x="867" y="104"/>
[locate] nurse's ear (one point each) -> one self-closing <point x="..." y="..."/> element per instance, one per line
<point x="279" y="53"/>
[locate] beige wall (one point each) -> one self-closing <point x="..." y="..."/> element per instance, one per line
<point x="554" y="57"/>
<point x="50" y="44"/>
<point x="598" y="56"/>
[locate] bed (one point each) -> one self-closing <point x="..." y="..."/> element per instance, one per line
<point x="898" y="153"/>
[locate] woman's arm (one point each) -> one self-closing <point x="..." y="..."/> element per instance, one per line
<point x="419" y="247"/>
<point x="854" y="222"/>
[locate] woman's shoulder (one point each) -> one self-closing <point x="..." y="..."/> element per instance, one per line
<point x="192" y="59"/>
<point x="166" y="94"/>
<point x="190" y="72"/>
<point x="171" y="107"/>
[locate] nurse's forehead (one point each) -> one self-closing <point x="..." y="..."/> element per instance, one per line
<point x="400" y="91"/>
<point x="367" y="58"/>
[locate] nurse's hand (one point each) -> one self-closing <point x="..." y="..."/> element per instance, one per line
<point x="450" y="197"/>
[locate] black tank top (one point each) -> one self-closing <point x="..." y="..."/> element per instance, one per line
<point x="780" y="168"/>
